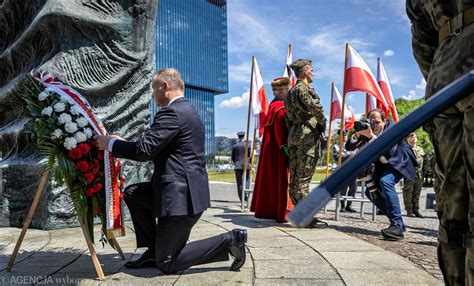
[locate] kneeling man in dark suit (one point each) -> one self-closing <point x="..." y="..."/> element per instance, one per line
<point x="165" y="210"/>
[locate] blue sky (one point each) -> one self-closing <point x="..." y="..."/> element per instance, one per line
<point x="317" y="30"/>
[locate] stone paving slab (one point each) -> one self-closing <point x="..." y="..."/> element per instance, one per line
<point x="297" y="282"/>
<point x="277" y="254"/>
<point x="368" y="260"/>
<point x="384" y="277"/>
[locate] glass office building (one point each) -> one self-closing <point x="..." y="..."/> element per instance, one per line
<point x="192" y="37"/>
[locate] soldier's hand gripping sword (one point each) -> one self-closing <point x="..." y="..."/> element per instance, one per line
<point x="304" y="212"/>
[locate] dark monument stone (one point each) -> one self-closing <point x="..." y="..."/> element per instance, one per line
<point x="102" y="48"/>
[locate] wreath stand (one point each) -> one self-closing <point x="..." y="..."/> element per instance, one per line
<point x="90" y="245"/>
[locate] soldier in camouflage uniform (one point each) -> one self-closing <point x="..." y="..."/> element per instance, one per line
<point x="443" y="46"/>
<point x="412" y="189"/>
<point x="306" y="123"/>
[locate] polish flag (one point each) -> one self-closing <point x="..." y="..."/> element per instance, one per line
<point x="370" y="103"/>
<point x="349" y="123"/>
<point x="384" y="84"/>
<point x="259" y="98"/>
<point x="289" y="73"/>
<point x="359" y="77"/>
<point x="336" y="107"/>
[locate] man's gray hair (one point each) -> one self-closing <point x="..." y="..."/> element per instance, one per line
<point x="172" y="77"/>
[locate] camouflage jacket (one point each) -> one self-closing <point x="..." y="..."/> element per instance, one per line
<point x="440" y="63"/>
<point x="304" y="112"/>
<point x="419" y="154"/>
<point x="303" y="105"/>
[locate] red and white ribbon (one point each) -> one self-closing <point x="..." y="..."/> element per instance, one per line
<point x="114" y="222"/>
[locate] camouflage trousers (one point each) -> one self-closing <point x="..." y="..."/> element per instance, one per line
<point x="452" y="136"/>
<point x="302" y="161"/>
<point x="411" y="194"/>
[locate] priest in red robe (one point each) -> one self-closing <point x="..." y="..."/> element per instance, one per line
<point x="270" y="194"/>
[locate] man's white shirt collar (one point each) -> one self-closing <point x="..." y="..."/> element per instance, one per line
<point x="171" y="101"/>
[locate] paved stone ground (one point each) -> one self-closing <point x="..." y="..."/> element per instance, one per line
<point x="420" y="241"/>
<point x="278" y="254"/>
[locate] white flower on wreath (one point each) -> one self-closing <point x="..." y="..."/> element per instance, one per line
<point x="59" y="107"/>
<point x="57" y="133"/>
<point x="82" y="122"/>
<point x="43" y="95"/>
<point x="88" y="132"/>
<point x="64" y="118"/>
<point x="47" y="111"/>
<point x="70" y="143"/>
<point x="80" y="137"/>
<point x="63" y="99"/>
<point x="75" y="109"/>
<point x="70" y="127"/>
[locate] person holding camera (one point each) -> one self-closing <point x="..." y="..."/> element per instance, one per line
<point x="306" y="123"/>
<point x="389" y="169"/>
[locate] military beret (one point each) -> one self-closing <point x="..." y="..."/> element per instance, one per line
<point x="280" y="82"/>
<point x="241" y="133"/>
<point x="299" y="64"/>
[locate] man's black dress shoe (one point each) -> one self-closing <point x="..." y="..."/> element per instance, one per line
<point x="237" y="249"/>
<point x="146" y="260"/>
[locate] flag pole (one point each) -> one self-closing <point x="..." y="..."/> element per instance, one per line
<point x="247" y="137"/>
<point x="367" y="103"/>
<point x="252" y="154"/>
<point x="341" y="136"/>
<point x="329" y="132"/>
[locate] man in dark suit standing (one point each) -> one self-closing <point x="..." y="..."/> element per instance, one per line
<point x="238" y="157"/>
<point x="165" y="210"/>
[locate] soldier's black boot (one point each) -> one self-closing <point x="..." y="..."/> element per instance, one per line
<point x="418" y="214"/>
<point x="349" y="208"/>
<point x="343" y="207"/>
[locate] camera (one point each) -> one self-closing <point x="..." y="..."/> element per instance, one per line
<point x="363" y="124"/>
<point x="369" y="181"/>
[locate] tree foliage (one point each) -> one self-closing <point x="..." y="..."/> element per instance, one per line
<point x="404" y="107"/>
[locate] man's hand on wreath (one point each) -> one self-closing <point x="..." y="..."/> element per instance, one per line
<point x="117" y="137"/>
<point x="101" y="141"/>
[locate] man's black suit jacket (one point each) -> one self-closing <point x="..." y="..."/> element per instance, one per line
<point x="175" y="144"/>
<point x="238" y="157"/>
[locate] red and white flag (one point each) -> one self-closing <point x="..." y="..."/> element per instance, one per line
<point x="259" y="98"/>
<point x="336" y="109"/>
<point x="349" y="122"/>
<point x="370" y="103"/>
<point x="336" y="106"/>
<point x="359" y="77"/>
<point x="289" y="73"/>
<point x="384" y="84"/>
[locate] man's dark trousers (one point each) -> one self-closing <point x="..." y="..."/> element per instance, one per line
<point x="168" y="237"/>
<point x="239" y="174"/>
